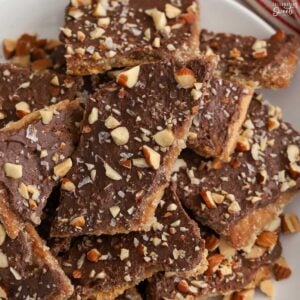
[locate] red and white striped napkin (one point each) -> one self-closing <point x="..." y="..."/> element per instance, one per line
<point x="283" y="14"/>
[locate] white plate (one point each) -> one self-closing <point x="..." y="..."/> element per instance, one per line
<point x="46" y="16"/>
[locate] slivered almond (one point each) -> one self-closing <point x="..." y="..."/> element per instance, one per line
<point x="281" y="270"/>
<point x="93" y="255"/>
<point x="293" y="153"/>
<point x="243" y="144"/>
<point x="111" y="122"/>
<point x="208" y="199"/>
<point x="164" y="138"/>
<point x="111" y="173"/>
<point x="3" y="260"/>
<point x="2" y="234"/>
<point x="152" y="157"/>
<point x="290" y="223"/>
<point x="9" y="48"/>
<point x="267" y="287"/>
<point x="159" y="18"/>
<point x="172" y="11"/>
<point x="120" y="136"/>
<point x="14" y="171"/>
<point x="212" y="242"/>
<point x="226" y="249"/>
<point x="93" y="116"/>
<point x="129" y="78"/>
<point x="218" y="198"/>
<point x="214" y="262"/>
<point x="273" y="123"/>
<point x="99" y="11"/>
<point x="63" y="168"/>
<point x="267" y="239"/>
<point x="23" y="107"/>
<point x="78" y="222"/>
<point x="47" y="116"/>
<point x="294" y="170"/>
<point x="182" y="286"/>
<point x="185" y="78"/>
<point x="68" y="185"/>
<point x="97" y="33"/>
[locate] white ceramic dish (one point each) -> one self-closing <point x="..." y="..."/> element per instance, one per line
<point x="46" y="16"/>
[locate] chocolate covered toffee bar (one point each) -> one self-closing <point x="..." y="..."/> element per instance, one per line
<point x="104" y="267"/>
<point x="228" y="270"/>
<point x="34" y="156"/>
<point x="238" y="198"/>
<point x="215" y="129"/>
<point x="133" y="132"/>
<point x="22" y="91"/>
<point x="268" y="63"/>
<point x="28" y="270"/>
<point x="101" y="35"/>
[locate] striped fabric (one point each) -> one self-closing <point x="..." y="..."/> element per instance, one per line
<point x="284" y="14"/>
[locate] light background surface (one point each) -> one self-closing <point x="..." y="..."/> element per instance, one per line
<point x="46" y="16"/>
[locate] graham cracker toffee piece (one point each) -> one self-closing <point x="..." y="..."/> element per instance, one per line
<point x="103" y="267"/>
<point x="101" y="35"/>
<point x="131" y="137"/>
<point x="268" y="63"/>
<point x="34" y="157"/>
<point x="28" y="270"/>
<point x="215" y="129"/>
<point x="228" y="270"/>
<point x="250" y="190"/>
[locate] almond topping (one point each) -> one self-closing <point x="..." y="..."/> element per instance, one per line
<point x="97" y="33"/>
<point x="47" y="116"/>
<point x="9" y="47"/>
<point x="208" y="199"/>
<point x="212" y="242"/>
<point x="281" y="270"/>
<point x="66" y="31"/>
<point x="243" y="144"/>
<point x="55" y="81"/>
<point x="3" y="260"/>
<point x="93" y="255"/>
<point x="78" y="222"/>
<point x="114" y="210"/>
<point x="111" y="122"/>
<point x="68" y="185"/>
<point x="273" y="123"/>
<point x="159" y="18"/>
<point x="2" y="234"/>
<point x="63" y="168"/>
<point x="75" y="13"/>
<point x="214" y="262"/>
<point x="99" y="10"/>
<point x="129" y="78"/>
<point x="111" y="173"/>
<point x="290" y="223"/>
<point x="267" y="287"/>
<point x="124" y="254"/>
<point x="172" y="11"/>
<point x="152" y="157"/>
<point x="218" y="198"/>
<point x="182" y="286"/>
<point x="120" y="136"/>
<point x="3" y="294"/>
<point x="267" y="239"/>
<point x="255" y="252"/>
<point x="226" y="249"/>
<point x="23" y="191"/>
<point x="294" y="170"/>
<point x="185" y="78"/>
<point x="164" y="138"/>
<point x="293" y="153"/>
<point x="93" y="116"/>
<point x="13" y="170"/>
<point x="23" y="107"/>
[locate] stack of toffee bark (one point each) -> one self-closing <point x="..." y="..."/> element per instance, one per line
<point x="137" y="160"/>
